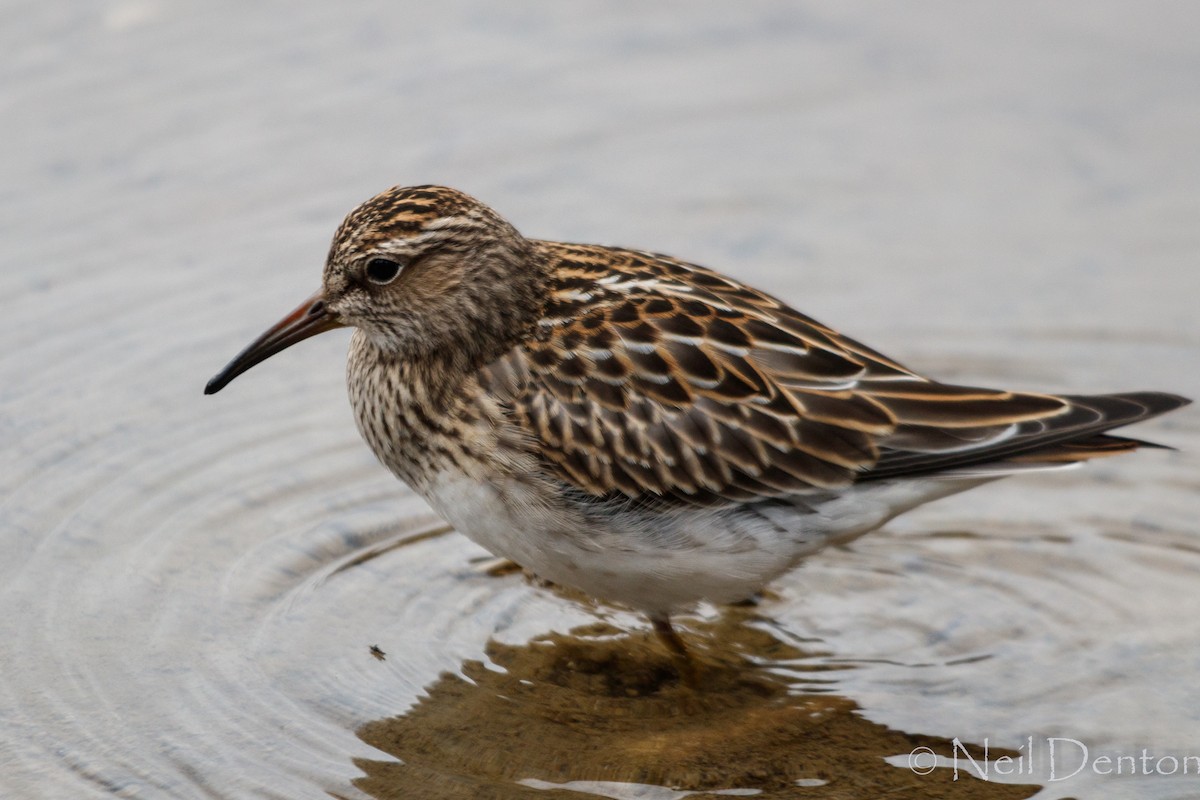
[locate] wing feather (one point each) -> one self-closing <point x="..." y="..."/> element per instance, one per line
<point x="650" y="377"/>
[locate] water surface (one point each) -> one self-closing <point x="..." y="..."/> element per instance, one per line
<point x="227" y="597"/>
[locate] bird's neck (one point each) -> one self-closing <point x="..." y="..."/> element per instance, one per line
<point x="429" y="377"/>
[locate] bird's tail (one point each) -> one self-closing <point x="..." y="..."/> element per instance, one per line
<point x="1077" y="433"/>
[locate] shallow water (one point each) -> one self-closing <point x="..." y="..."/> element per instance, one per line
<point x="192" y="587"/>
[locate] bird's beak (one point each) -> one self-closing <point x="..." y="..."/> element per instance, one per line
<point x="310" y="318"/>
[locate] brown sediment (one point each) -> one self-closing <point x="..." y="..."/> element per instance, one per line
<point x="600" y="706"/>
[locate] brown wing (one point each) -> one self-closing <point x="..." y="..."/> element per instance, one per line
<point x="652" y="377"/>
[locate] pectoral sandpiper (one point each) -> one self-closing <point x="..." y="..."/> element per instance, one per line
<point x="643" y="429"/>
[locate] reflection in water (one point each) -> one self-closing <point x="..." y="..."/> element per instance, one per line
<point x="602" y="713"/>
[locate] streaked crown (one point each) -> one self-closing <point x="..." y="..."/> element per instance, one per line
<point x="425" y="268"/>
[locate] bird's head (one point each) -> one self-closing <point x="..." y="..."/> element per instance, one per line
<point x="419" y="271"/>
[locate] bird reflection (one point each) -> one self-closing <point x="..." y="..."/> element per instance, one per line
<point x="601" y="712"/>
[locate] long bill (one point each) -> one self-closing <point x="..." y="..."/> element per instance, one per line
<point x="310" y="318"/>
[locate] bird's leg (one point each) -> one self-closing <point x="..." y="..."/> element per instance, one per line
<point x="499" y="567"/>
<point x="682" y="659"/>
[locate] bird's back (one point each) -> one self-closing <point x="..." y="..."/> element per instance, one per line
<point x="652" y="379"/>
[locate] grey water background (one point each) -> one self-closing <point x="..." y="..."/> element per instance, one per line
<point x="1005" y="194"/>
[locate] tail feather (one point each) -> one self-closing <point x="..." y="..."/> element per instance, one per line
<point x="1077" y="433"/>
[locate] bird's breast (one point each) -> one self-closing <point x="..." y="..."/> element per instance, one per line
<point x="414" y="431"/>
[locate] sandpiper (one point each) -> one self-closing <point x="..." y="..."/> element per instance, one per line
<point x="643" y="429"/>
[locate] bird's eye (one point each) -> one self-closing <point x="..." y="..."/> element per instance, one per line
<point x="382" y="270"/>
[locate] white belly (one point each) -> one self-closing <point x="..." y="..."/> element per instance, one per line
<point x="617" y="559"/>
<point x="660" y="562"/>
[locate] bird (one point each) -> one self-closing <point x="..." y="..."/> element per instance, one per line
<point x="645" y="430"/>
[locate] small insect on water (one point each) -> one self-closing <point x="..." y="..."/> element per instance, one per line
<point x="642" y="429"/>
<point x="379" y="654"/>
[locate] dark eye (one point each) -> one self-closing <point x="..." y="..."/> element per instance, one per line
<point x="382" y="270"/>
